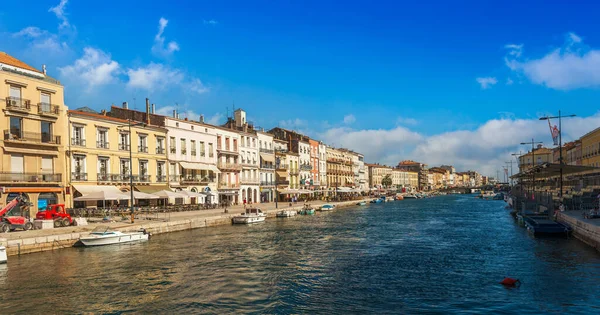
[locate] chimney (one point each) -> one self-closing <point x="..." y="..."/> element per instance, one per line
<point x="153" y="109"/>
<point x="147" y="111"/>
<point x="103" y="112"/>
<point x="174" y="113"/>
<point x="201" y="119"/>
<point x="44" y="69"/>
<point x="125" y="105"/>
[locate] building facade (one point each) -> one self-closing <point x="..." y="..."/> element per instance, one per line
<point x="377" y="173"/>
<point x="35" y="135"/>
<point x="323" y="165"/>
<point x="267" y="166"/>
<point x="590" y="146"/>
<point x="228" y="162"/>
<point x="418" y="167"/>
<point x="282" y="167"/>
<point x="339" y="169"/>
<point x="315" y="164"/>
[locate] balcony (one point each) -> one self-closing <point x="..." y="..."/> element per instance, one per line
<point x="160" y="150"/>
<point x="102" y="145"/>
<point x="78" y="142"/>
<point x="48" y="109"/>
<point x="361" y="170"/>
<point x="79" y="176"/>
<point x="229" y="166"/>
<point x="267" y="166"/>
<point x="267" y="183"/>
<point x="193" y="152"/>
<point x="270" y="151"/>
<point x="196" y="179"/>
<point x="183" y="151"/>
<point x="281" y="151"/>
<point x="142" y="149"/>
<point x="249" y="163"/>
<point x="124" y="147"/>
<point x="305" y="167"/>
<point x="227" y="150"/>
<point x="18" y="104"/>
<point x="173" y="150"/>
<point x="29" y="177"/>
<point x="144" y="178"/>
<point x="20" y="136"/>
<point x="173" y="178"/>
<point x="161" y="178"/>
<point x="294" y="171"/>
<point x="224" y="185"/>
<point x="123" y="178"/>
<point x="281" y="167"/>
<point x="282" y="182"/>
<point x="250" y="181"/>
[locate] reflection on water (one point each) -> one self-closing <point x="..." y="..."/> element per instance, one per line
<point x="435" y="255"/>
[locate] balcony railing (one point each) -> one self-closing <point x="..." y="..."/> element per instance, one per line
<point x="267" y="183"/>
<point x="160" y="150"/>
<point x="305" y="167"/>
<point x="142" y="149"/>
<point x="250" y="181"/>
<point x="102" y="144"/>
<point x="249" y="163"/>
<point x="229" y="166"/>
<point x="263" y="150"/>
<point x="196" y="179"/>
<point x="145" y="178"/>
<point x="79" y="176"/>
<point x="282" y="182"/>
<point x="161" y="178"/>
<point x="123" y="178"/>
<point x="224" y="185"/>
<point x="16" y="103"/>
<point x="227" y="150"/>
<point x="281" y="151"/>
<point x="281" y="166"/>
<point x="124" y="147"/>
<point x="193" y="152"/>
<point x="294" y="171"/>
<point x="19" y="135"/>
<point x="78" y="142"/>
<point x="183" y="151"/>
<point x="267" y="166"/>
<point x="173" y="178"/>
<point x="173" y="150"/>
<point x="30" y="177"/>
<point x="48" y="109"/>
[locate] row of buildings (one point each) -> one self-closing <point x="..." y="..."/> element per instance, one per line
<point x="52" y="154"/>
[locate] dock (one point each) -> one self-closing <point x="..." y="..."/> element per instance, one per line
<point x="586" y="230"/>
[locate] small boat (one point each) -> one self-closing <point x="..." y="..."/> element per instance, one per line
<point x="252" y="215"/>
<point x="3" y="257"/>
<point x="399" y="197"/>
<point x="410" y="196"/>
<point x="286" y="213"/>
<point x="327" y="207"/>
<point x="486" y="195"/>
<point x="539" y="226"/>
<point x="376" y="200"/>
<point x="103" y="235"/>
<point x="362" y="203"/>
<point x="307" y="210"/>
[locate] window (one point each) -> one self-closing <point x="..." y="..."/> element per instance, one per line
<point x="227" y="144"/>
<point x="124" y="167"/>
<point x="102" y="138"/>
<point x="47" y="165"/>
<point x="172" y="145"/>
<point x="143" y="143"/>
<point x="103" y="168"/>
<point x="16" y="163"/>
<point x="160" y="145"/>
<point x="45" y="106"/>
<point x="78" y="136"/>
<point x="210" y="150"/>
<point x="193" y="147"/>
<point x="242" y="141"/>
<point x="202" y="151"/>
<point x="143" y="170"/>
<point x="46" y="128"/>
<point x="15" y="92"/>
<point x="15" y="127"/>
<point x="124" y="141"/>
<point x="79" y="168"/>
<point x="160" y="171"/>
<point x="183" y="148"/>
<point x="235" y="145"/>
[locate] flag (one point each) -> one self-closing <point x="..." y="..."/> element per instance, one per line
<point x="554" y="132"/>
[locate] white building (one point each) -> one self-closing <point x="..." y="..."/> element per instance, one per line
<point x="267" y="166"/>
<point x="304" y="164"/>
<point x="323" y="165"/>
<point x="228" y="162"/>
<point x="363" y="182"/>
<point x="192" y="157"/>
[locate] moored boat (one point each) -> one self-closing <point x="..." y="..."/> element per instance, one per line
<point x="327" y="207"/>
<point x="286" y="213"/>
<point x="252" y="215"/>
<point x="375" y="201"/>
<point x="410" y="196"/>
<point x="3" y="257"/>
<point x="362" y="203"/>
<point x="103" y="235"/>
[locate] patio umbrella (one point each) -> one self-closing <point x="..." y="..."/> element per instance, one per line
<point x="103" y="195"/>
<point x="191" y="194"/>
<point x="168" y="194"/>
<point x="141" y="195"/>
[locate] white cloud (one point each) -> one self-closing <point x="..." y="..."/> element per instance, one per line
<point x="159" y="41"/>
<point x="60" y="13"/>
<point x="93" y="69"/>
<point x="349" y="119"/>
<point x="153" y="77"/>
<point x="514" y="50"/>
<point x="293" y="123"/>
<point x="407" y="121"/>
<point x="30" y="31"/>
<point x="215" y="119"/>
<point x="572" y="66"/>
<point x="210" y="22"/>
<point x="509" y="81"/>
<point x="486" y="82"/>
<point x="198" y="87"/>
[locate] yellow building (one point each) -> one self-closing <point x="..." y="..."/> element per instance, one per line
<point x="413" y="179"/>
<point x="339" y="169"/>
<point x="590" y="146"/>
<point x="34" y="123"/>
<point x="377" y="173"/>
<point x="98" y="156"/>
<point x="540" y="154"/>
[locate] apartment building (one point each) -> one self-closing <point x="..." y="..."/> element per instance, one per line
<point x="305" y="165"/>
<point x="339" y="169"/>
<point x="590" y="148"/>
<point x="34" y="121"/>
<point x="322" y="165"/>
<point x="228" y="162"/>
<point x="418" y="167"/>
<point x="267" y="166"/>
<point x="282" y="167"/>
<point x="377" y="173"/>
<point x="314" y="163"/>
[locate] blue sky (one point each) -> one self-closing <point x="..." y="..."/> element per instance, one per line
<point x="441" y="82"/>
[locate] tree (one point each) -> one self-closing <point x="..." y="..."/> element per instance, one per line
<point x="386" y="181"/>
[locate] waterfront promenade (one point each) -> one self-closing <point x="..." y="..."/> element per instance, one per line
<point x="23" y="242"/>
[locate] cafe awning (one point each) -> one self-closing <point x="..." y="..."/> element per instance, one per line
<point x="553" y="169"/>
<point x="88" y="189"/>
<point x="152" y="188"/>
<point x="268" y="157"/>
<point x="282" y="174"/>
<point x="199" y="166"/>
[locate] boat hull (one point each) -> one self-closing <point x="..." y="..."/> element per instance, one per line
<point x="114" y="239"/>
<point x="248" y="220"/>
<point x="307" y="212"/>
<point x="3" y="256"/>
<point x="286" y="214"/>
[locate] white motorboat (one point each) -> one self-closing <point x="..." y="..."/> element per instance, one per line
<point x="103" y="235"/>
<point x="3" y="257"/>
<point x="252" y="215"/>
<point x="327" y="207"/>
<point x="286" y="213"/>
<point x="410" y="196"/>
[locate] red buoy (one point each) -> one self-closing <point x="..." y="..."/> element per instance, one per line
<point x="510" y="282"/>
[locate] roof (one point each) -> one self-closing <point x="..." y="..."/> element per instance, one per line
<point x="552" y="169"/>
<point x="100" y="116"/>
<point x="86" y="109"/>
<point x="590" y="133"/>
<point x="10" y="60"/>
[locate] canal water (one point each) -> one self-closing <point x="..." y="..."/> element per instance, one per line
<point x="438" y="255"/>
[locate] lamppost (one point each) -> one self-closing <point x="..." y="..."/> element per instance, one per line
<point x="129" y="125"/>
<point x="511" y="171"/>
<point x="560" y="159"/>
<point x="533" y="143"/>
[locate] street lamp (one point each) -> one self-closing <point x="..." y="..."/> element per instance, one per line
<point x="533" y="143"/>
<point x="560" y="159"/>
<point x="129" y="125"/>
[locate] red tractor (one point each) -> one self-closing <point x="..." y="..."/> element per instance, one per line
<point x="56" y="213"/>
<point x="13" y="216"/>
